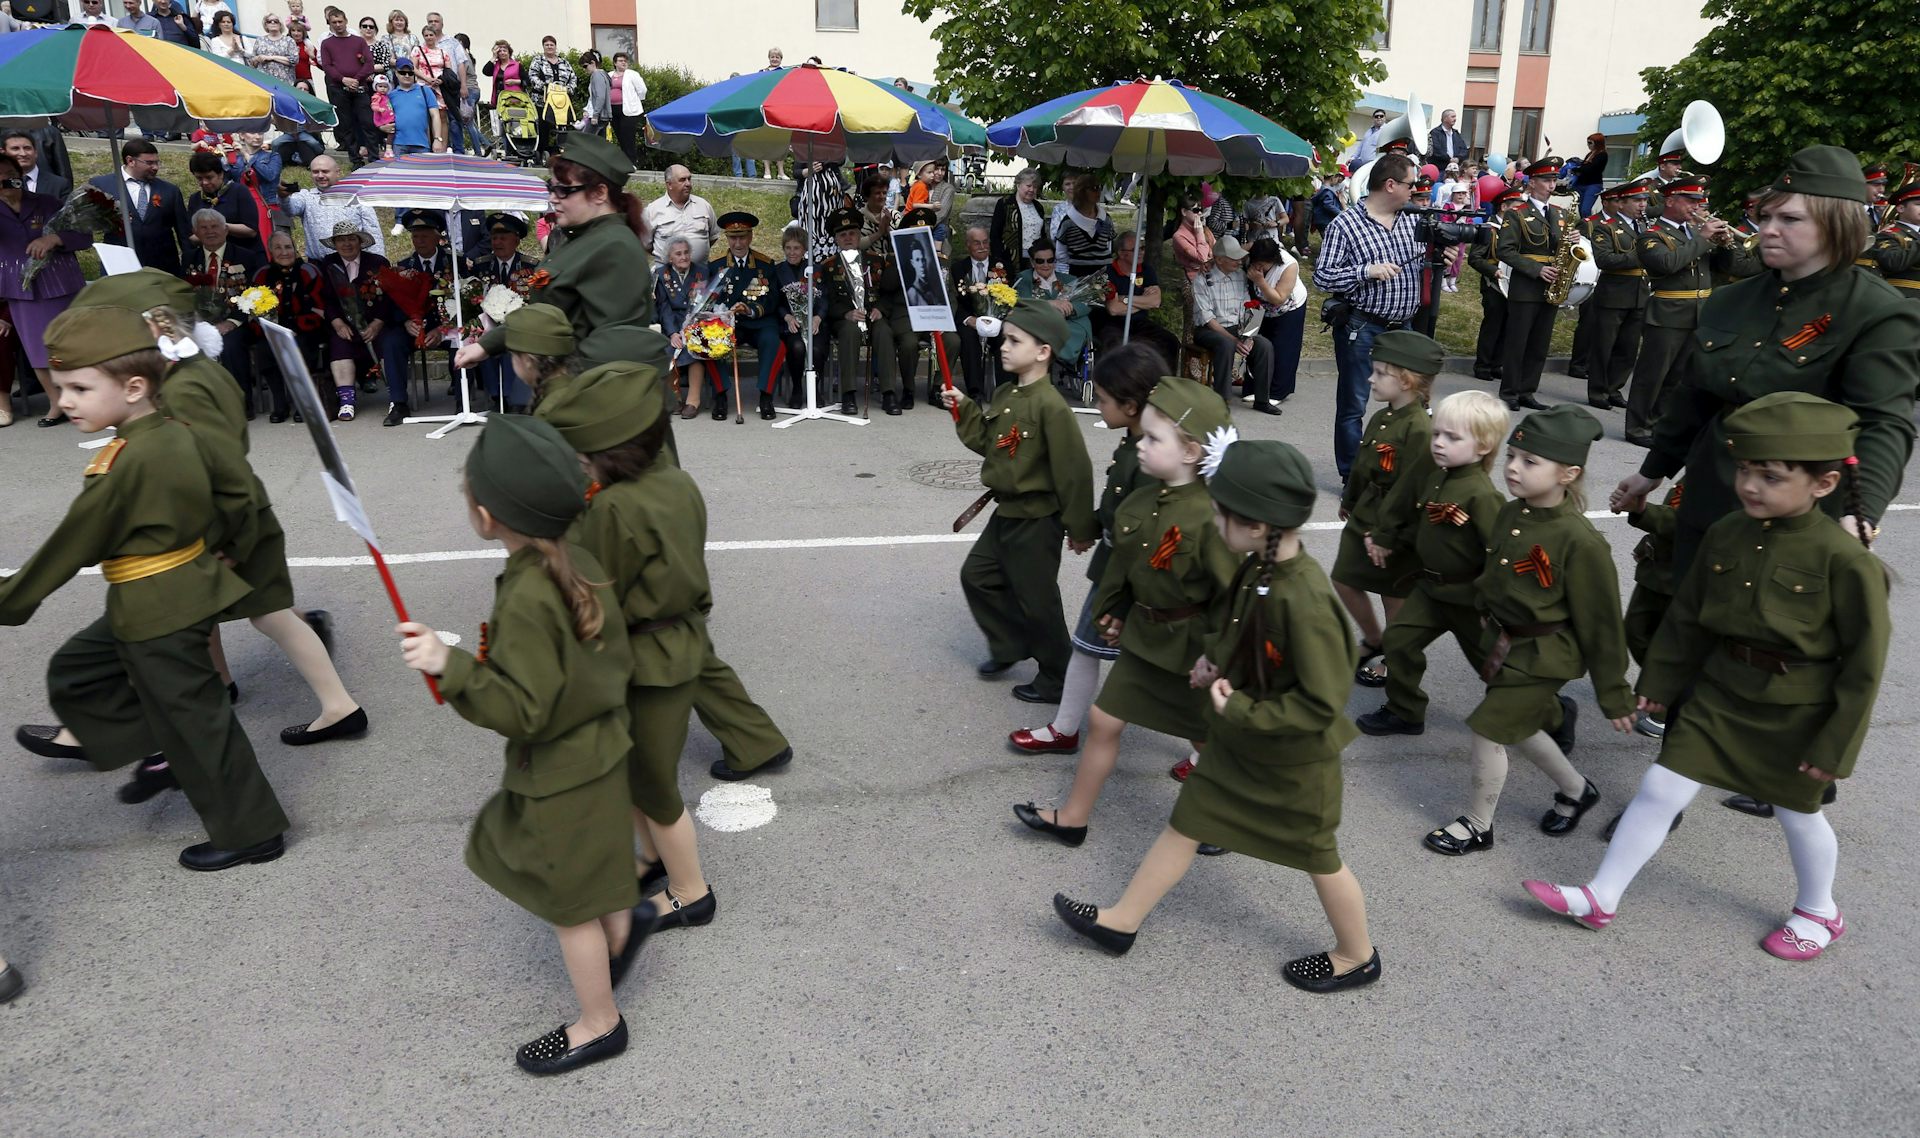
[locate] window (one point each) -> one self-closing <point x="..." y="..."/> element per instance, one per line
<point x="1485" y="32"/>
<point x="1524" y="141"/>
<point x="836" y="15"/>
<point x="613" y="39"/>
<point x="1382" y="39"/>
<point x="1536" y="26"/>
<point x="1476" y="126"/>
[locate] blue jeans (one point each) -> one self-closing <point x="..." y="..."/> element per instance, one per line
<point x="750" y="168"/>
<point x="1587" y="196"/>
<point x="1353" y="352"/>
<point x="468" y="129"/>
<point x="405" y="148"/>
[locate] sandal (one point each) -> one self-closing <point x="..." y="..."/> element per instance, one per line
<point x="1366" y="675"/>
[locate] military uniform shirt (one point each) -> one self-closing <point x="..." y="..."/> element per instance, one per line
<point x="1035" y="459"/>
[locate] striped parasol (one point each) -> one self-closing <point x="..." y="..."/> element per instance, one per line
<point x="445" y="181"/>
<point x="1152" y="127"/>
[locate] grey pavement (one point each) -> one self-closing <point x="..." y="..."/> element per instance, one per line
<point x="885" y="960"/>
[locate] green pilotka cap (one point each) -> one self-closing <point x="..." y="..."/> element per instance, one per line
<point x="539" y="330"/>
<point x="606" y="406"/>
<point x="1824" y="172"/>
<point x="526" y="475"/>
<point x="1265" y="480"/>
<point x="1559" y="434"/>
<point x="596" y="154"/>
<point x="139" y="290"/>
<point x="1791" y="426"/>
<point x="1041" y="321"/>
<point x="625" y="343"/>
<point x="1420" y="354"/>
<point x="83" y="337"/>
<point x="1194" y="407"/>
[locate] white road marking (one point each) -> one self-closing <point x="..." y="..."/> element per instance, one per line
<point x="736" y="807"/>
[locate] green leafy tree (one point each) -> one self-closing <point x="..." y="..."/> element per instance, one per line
<point x="1786" y="74"/>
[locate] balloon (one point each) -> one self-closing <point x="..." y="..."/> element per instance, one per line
<point x="1497" y="163"/>
<point x="1490" y="186"/>
<point x="1431" y="171"/>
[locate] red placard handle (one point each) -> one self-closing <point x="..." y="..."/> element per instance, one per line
<point x="400" y="610"/>
<point x="946" y="371"/>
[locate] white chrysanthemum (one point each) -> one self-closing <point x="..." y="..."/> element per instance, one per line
<point x="1218" y="440"/>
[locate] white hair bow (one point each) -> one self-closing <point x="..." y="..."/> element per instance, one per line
<point x="1215" y="449"/>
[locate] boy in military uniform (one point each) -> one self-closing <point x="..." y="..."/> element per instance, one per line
<point x="1619" y="297"/>
<point x="1896" y="248"/>
<point x="747" y="290"/>
<point x="1038" y="475"/>
<point x="140" y="683"/>
<point x="1530" y="238"/>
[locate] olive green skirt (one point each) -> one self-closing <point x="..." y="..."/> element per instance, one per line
<point x="1136" y="692"/>
<point x="1354" y="569"/>
<point x="1720" y="739"/>
<point x="659" y="736"/>
<point x="1512" y="713"/>
<point x="1283" y="812"/>
<point x="566" y="858"/>
<point x="266" y="570"/>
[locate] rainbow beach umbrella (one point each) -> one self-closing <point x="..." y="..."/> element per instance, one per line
<point x="1152" y="127"/>
<point x="814" y="113"/>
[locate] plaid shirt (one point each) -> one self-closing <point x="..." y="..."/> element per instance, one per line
<point x="1350" y="243"/>
<point x="1223" y="297"/>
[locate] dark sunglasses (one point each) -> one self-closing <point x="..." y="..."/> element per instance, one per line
<point x="562" y="190"/>
<point x="369" y="27"/>
<point x="1046" y="261"/>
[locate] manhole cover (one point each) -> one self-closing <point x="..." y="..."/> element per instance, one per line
<point x="948" y="474"/>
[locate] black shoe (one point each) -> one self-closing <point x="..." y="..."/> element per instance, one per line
<point x="719" y="412"/>
<point x="321" y="621"/>
<point x="1365" y="674"/>
<point x="1266" y="409"/>
<point x="1616" y="401"/>
<point x="849" y="406"/>
<point x="1530" y="403"/>
<point x="277" y="417"/>
<point x="906" y="398"/>
<point x="1747" y="804"/>
<point x="1576" y="372"/>
<point x="233" y="692"/>
<point x="1028" y="693"/>
<point x="1384" y="722"/>
<point x="621" y="963"/>
<point x="1484" y="376"/>
<point x="766" y="407"/>
<point x="1315" y="974"/>
<point x="11" y="983"/>
<point x="655" y="874"/>
<point x="1512" y="404"/>
<point x="679" y="916"/>
<point x="208" y="858"/>
<point x="367" y="387"/>
<point x="396" y="414"/>
<point x="991" y="669"/>
<point x="38" y="739"/>
<point x="797" y="400"/>
<point x="353" y="725"/>
<point x="1084" y="919"/>
<point x="297" y="418"/>
<point x="1606" y="835"/>
<point x="1477" y="840"/>
<point x="148" y="780"/>
<point x="54" y="420"/>
<point x="1030" y="815"/>
<point x="1563" y="735"/>
<point x="1208" y="849"/>
<point x="1560" y="825"/>
<point x="889" y="403"/>
<point x="550" y="1055"/>
<point x="1639" y="438"/>
<point x="1601" y="404"/>
<point x="726" y="773"/>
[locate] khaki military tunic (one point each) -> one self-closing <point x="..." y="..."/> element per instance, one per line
<point x="600" y="277"/>
<point x="1781" y="628"/>
<point x="1653" y="583"/>
<point x="1395" y="441"/>
<point x="1122" y="479"/>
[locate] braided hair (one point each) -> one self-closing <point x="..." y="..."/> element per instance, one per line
<point x="1849" y="470"/>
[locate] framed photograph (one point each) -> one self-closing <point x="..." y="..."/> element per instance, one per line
<point x="928" y="307"/>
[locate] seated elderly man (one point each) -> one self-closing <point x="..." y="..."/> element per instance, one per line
<point x="219" y="268"/>
<point x="1225" y="325"/>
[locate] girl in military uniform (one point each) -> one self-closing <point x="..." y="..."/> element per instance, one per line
<point x="1122" y="380"/>
<point x="552" y="678"/>
<point x="1169" y="567"/>
<point x="1404" y="364"/>
<point x="646" y="523"/>
<point x="1551" y="603"/>
<point x="1442" y="513"/>
<point x="540" y="345"/>
<point x="1270" y="787"/>
<point x="1777" y="638"/>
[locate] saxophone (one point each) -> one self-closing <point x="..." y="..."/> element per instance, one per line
<point x="1565" y="260"/>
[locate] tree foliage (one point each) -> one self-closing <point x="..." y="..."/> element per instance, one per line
<point x="1787" y="74"/>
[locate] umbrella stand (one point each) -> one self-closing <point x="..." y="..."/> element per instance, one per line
<point x="812" y="410"/>
<point x="1133" y="274"/>
<point x="466" y="416"/>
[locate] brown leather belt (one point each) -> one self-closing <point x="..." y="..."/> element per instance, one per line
<point x="1683" y="293"/>
<point x="655" y="625"/>
<point x="972" y="511"/>
<point x="1767" y="660"/>
<point x="1168" y="616"/>
<point x="1503" y="643"/>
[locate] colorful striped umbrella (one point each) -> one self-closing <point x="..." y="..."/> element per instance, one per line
<point x="101" y="78"/>
<point x="1152" y="127"/>
<point x="817" y="114"/>
<point x="444" y="181"/>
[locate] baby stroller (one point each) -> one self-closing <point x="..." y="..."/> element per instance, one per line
<point x="556" y="118"/>
<point x="518" y="137"/>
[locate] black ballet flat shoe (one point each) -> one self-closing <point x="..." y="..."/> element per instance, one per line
<point x="621" y="963"/>
<point x="352" y="726"/>
<point x="11" y="983"/>
<point x="680" y="916"/>
<point x="1208" y="849"/>
<point x="1747" y="804"/>
<point x="233" y="692"/>
<point x="1560" y="825"/>
<point x="550" y="1055"/>
<point x="54" y="420"/>
<point x="1381" y="721"/>
<point x="1569" y="719"/>
<point x="988" y="669"/>
<point x="1366" y="675"/>
<point x="1029" y="814"/>
<point x="321" y="621"/>
<point x="1315" y="974"/>
<point x="38" y="739"/>
<point x="1084" y="919"/>
<point x="725" y="773"/>
<point x="1030" y="693"/>
<point x="148" y="780"/>
<point x="1606" y="835"/>
<point x="1444" y="843"/>
<point x="654" y="874"/>
<point x="208" y="858"/>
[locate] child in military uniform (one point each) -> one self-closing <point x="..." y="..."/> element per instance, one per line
<point x="540" y="344"/>
<point x="1122" y="380"/>
<point x="1404" y="364"/>
<point x="1780" y="671"/>
<point x="1270" y="787"/>
<point x="646" y="524"/>
<point x="1036" y="470"/>
<point x="1653" y="586"/>
<point x="1551" y="601"/>
<point x="140" y="682"/>
<point x="1169" y="567"/>
<point x="1449" y="503"/>
<point x="553" y="679"/>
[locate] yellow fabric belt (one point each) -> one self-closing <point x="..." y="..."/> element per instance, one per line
<point x="1538" y="257"/>
<point x="120" y="570"/>
<point x="1683" y="293"/>
<point x="1624" y="272"/>
<point x="1866" y="262"/>
<point x="1896" y="282"/>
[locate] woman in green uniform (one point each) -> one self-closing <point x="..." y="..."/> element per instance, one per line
<point x="1270" y="786"/>
<point x="551" y="677"/>
<point x="1404" y="364"/>
<point x="1780" y="632"/>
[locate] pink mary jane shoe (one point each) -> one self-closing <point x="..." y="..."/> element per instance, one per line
<point x="1549" y="895"/>
<point x="1786" y="944"/>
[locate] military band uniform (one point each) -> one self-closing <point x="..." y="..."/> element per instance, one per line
<point x="1527" y="244"/>
<point x="1653" y="583"/>
<point x="1679" y="264"/>
<point x="1896" y="257"/>
<point x="1394" y="442"/>
<point x="1615" y="310"/>
<point x="1489" y="349"/>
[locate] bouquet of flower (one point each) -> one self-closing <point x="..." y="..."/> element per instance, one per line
<point x="797" y="299"/>
<point x="413" y="292"/>
<point x="212" y="298"/>
<point x="89" y="209"/>
<point x="1082" y="290"/>
<point x="709" y="337"/>
<point x="257" y="301"/>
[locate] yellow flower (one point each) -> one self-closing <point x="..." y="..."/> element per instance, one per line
<point x="1003" y="294"/>
<point x="258" y="301"/>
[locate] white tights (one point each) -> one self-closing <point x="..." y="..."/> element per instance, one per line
<point x="1076" y="694"/>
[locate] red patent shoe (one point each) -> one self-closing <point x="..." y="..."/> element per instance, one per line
<point x="1181" y="770"/>
<point x="1059" y="744"/>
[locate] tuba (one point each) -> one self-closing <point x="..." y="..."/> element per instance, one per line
<point x="1411" y="126"/>
<point x="1702" y="135"/>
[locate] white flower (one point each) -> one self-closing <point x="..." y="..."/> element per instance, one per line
<point x="499" y="302"/>
<point x="1218" y="440"/>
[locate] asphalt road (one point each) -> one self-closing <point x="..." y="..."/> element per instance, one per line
<point x="885" y="960"/>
